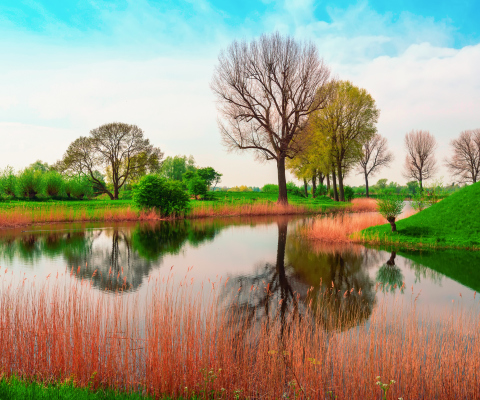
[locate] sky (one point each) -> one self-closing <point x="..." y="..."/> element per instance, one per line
<point x="70" y="66"/>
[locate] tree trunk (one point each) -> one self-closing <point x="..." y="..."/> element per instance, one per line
<point x="115" y="193"/>
<point x="334" y="183"/>
<point x="321" y="178"/>
<point x="340" y="182"/>
<point x="314" y="185"/>
<point x="366" y="184"/>
<point x="392" y="223"/>
<point x="305" y="186"/>
<point x="328" y="184"/>
<point x="282" y="181"/>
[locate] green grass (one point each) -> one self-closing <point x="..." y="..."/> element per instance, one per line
<point x="16" y="389"/>
<point x="451" y="223"/>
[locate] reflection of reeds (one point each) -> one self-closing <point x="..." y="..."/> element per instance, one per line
<point x="178" y="344"/>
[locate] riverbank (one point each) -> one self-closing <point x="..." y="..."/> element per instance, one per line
<point x="453" y="223"/>
<point x="184" y="343"/>
<point x="16" y="214"/>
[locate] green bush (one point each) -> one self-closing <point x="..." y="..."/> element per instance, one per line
<point x="78" y="187"/>
<point x="29" y="183"/>
<point x="270" y="188"/>
<point x="349" y="193"/>
<point x="321" y="190"/>
<point x="8" y="182"/>
<point x="155" y="192"/>
<point x="53" y="183"/>
<point x="295" y="190"/>
<point x="390" y="208"/>
<point x="197" y="186"/>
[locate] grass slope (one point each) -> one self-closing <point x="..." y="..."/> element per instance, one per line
<point x="452" y="223"/>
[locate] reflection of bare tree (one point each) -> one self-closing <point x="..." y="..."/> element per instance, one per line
<point x="284" y="289"/>
<point x="423" y="272"/>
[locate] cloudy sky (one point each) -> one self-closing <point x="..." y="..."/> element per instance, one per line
<point x="69" y="66"/>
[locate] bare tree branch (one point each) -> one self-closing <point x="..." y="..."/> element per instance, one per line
<point x="465" y="161"/>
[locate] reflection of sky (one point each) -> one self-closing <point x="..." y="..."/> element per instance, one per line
<point x="238" y="250"/>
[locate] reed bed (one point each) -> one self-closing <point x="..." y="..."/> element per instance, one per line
<point x="251" y="209"/>
<point x="181" y="342"/>
<point x="17" y="217"/>
<point x="364" y="205"/>
<point x="345" y="228"/>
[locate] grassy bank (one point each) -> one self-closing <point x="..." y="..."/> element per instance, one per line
<point x="451" y="223"/>
<point x="187" y="342"/>
<point x="228" y="204"/>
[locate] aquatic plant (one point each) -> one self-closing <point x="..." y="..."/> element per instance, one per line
<point x="175" y="339"/>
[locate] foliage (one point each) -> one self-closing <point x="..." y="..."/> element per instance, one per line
<point x="29" y="183"/>
<point x="390" y="207"/>
<point x="295" y="190"/>
<point x="210" y="176"/>
<point x="81" y="187"/>
<point x="321" y="190"/>
<point x="40" y="166"/>
<point x="175" y="167"/>
<point x="155" y="192"/>
<point x="197" y="186"/>
<point x="242" y="188"/>
<point x="349" y="193"/>
<point x="453" y="222"/>
<point x="270" y="188"/>
<point x="53" y="183"/>
<point x="8" y="182"/>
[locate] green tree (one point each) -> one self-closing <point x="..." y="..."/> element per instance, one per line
<point x="29" y="183"/>
<point x="197" y="186"/>
<point x="175" y="167"/>
<point x="391" y="208"/>
<point x="8" y="182"/>
<point x="210" y="176"/>
<point x="53" y="183"/>
<point x="40" y="166"/>
<point x="348" y="121"/>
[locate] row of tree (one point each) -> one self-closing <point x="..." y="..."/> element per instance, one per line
<point x="112" y="158"/>
<point x="276" y="97"/>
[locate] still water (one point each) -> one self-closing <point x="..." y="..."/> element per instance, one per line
<point x="238" y="255"/>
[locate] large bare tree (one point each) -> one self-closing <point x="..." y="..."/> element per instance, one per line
<point x="465" y="161"/>
<point x="375" y="155"/>
<point x="118" y="148"/>
<point x="420" y="163"/>
<point x="266" y="89"/>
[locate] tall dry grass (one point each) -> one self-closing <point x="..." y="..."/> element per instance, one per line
<point x="27" y="216"/>
<point x="181" y="342"/>
<point x="364" y="205"/>
<point x="248" y="210"/>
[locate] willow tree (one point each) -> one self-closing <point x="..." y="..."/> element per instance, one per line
<point x="345" y="123"/>
<point x="266" y="89"/>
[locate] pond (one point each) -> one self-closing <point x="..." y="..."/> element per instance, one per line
<point x="261" y="263"/>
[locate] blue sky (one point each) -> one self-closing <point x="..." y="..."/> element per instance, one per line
<point x="69" y="66"/>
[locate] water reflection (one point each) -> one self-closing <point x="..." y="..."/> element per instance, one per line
<point x="332" y="284"/>
<point x="389" y="276"/>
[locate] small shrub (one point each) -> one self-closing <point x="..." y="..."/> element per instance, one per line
<point x="53" y="183"/>
<point x="270" y="188"/>
<point x="29" y="183"/>
<point x="155" y="192"/>
<point x="391" y="208"/>
<point x="349" y="193"/>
